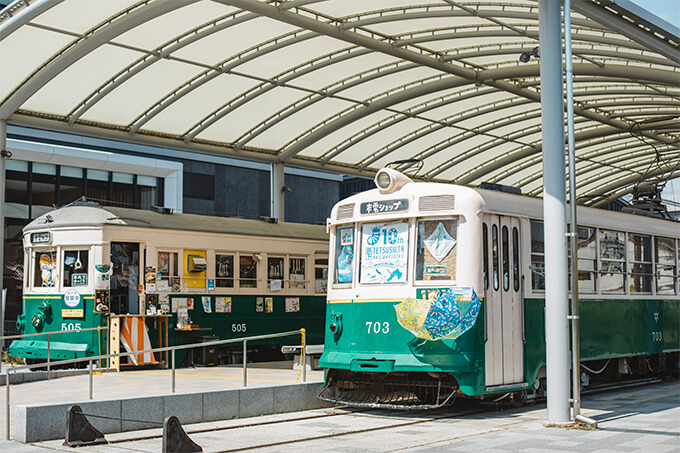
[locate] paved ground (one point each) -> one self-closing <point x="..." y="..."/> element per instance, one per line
<point x="130" y="384"/>
<point x="644" y="419"/>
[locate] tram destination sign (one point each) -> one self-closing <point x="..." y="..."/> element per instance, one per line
<point x="379" y="207"/>
<point x="41" y="238"/>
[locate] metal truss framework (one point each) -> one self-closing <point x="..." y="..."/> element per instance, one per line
<point x="334" y="87"/>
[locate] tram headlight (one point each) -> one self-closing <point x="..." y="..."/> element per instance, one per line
<point x="388" y="180"/>
<point x="336" y="325"/>
<point x="383" y="180"/>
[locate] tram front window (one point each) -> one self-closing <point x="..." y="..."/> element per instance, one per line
<point x="436" y="249"/>
<point x="344" y="255"/>
<point x="75" y="268"/>
<point x="45" y="272"/>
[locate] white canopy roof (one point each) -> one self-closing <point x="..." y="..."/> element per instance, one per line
<point x="350" y="85"/>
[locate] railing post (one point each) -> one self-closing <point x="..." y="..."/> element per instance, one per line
<point x="245" y="360"/>
<point x="48" y="356"/>
<point x="7" y="402"/>
<point x="90" y="361"/>
<point x="304" y="354"/>
<point x="173" y="370"/>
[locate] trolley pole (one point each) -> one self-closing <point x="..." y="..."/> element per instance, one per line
<point x="554" y="212"/>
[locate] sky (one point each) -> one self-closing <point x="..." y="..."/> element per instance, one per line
<point x="668" y="10"/>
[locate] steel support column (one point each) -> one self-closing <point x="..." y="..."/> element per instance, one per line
<point x="277" y="191"/>
<point x="3" y="156"/>
<point x="554" y="212"/>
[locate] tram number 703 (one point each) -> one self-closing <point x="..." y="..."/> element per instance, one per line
<point x="377" y="327"/>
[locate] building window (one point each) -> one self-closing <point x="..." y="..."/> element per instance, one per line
<point x="43" y="188"/>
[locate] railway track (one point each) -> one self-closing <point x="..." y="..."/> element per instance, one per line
<point x="374" y="420"/>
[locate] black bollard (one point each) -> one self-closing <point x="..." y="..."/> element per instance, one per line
<point x="175" y="440"/>
<point x="79" y="431"/>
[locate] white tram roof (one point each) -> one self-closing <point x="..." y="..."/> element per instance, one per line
<point x="474" y="201"/>
<point x="98" y="216"/>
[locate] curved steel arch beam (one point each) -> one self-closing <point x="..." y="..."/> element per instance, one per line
<point x="395" y="119"/>
<point x="330" y="91"/>
<point x="163" y="51"/>
<point x="609" y="169"/>
<point x="604" y="184"/>
<point x="588" y="157"/>
<point x="629" y="184"/>
<point x="298" y="105"/>
<point x="29" y="12"/>
<point x="79" y="48"/>
<point x="450" y="122"/>
<point x="393" y="50"/>
<point x="155" y="55"/>
<point x="489" y="167"/>
<point x="356" y="114"/>
<point x="223" y="67"/>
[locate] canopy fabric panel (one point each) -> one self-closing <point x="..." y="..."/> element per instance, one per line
<point x="350" y="86"/>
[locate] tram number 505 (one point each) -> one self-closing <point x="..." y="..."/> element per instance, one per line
<point x="377" y="327"/>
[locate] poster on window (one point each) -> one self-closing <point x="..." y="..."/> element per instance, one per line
<point x="384" y="252"/>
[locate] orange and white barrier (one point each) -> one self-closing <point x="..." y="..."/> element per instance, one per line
<point x="135" y="337"/>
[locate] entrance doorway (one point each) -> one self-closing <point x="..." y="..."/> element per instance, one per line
<point x="125" y="278"/>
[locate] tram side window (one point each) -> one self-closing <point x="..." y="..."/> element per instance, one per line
<point x="612" y="261"/>
<point x="586" y="243"/>
<point x="537" y="256"/>
<point x="168" y="275"/>
<point x="296" y="270"/>
<point x="247" y="272"/>
<point x="321" y="275"/>
<point x="640" y="261"/>
<point x="224" y="270"/>
<point x="485" y="254"/>
<point x="506" y="259"/>
<point x="75" y="267"/>
<point x="274" y="273"/>
<point x="436" y="249"/>
<point x="45" y="272"/>
<point x="344" y="255"/>
<point x="665" y="259"/>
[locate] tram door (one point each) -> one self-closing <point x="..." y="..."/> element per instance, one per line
<point x="125" y="278"/>
<point x="504" y="348"/>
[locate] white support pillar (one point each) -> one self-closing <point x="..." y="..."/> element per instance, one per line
<point x="554" y="213"/>
<point x="3" y="156"/>
<point x="277" y="191"/>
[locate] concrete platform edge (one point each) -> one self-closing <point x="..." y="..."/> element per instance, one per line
<point x="41" y="422"/>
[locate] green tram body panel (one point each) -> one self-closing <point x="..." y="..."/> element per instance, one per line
<point x="59" y="317"/>
<point x="243" y="320"/>
<point x="609" y="328"/>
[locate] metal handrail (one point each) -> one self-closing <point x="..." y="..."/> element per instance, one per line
<point x="49" y="362"/>
<point x="172" y="350"/>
